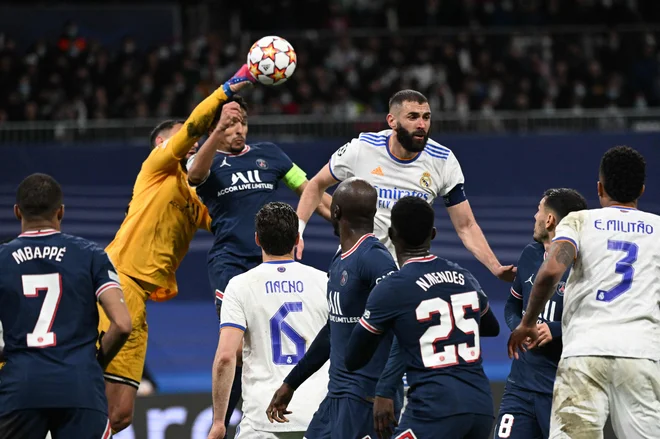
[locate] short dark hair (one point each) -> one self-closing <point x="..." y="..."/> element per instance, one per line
<point x="277" y="228"/>
<point x="38" y="197"/>
<point x="235" y="98"/>
<point x="413" y="219"/>
<point x="623" y="172"/>
<point x="163" y="126"/>
<point x="402" y="96"/>
<point x="563" y="201"/>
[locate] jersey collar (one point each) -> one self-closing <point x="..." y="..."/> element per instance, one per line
<point x="231" y="154"/>
<point x="395" y="158"/>
<point x="38" y="233"/>
<point x="422" y="259"/>
<point x="356" y="245"/>
<point x="621" y="207"/>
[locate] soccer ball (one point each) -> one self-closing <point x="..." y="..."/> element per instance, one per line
<point x="272" y="60"/>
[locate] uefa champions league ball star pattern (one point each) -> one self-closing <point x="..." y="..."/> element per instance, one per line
<point x="272" y="60"/>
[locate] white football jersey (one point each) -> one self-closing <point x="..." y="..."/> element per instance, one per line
<point x="281" y="306"/>
<point x="612" y="295"/>
<point x="431" y="174"/>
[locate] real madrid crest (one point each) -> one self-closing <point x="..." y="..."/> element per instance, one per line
<point x="262" y="164"/>
<point x="344" y="278"/>
<point x="425" y="181"/>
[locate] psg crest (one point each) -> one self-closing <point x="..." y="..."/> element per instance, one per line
<point x="263" y="164"/>
<point x="344" y="278"/>
<point x="560" y="288"/>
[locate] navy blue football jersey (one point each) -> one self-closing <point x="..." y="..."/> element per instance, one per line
<point x="434" y="307"/>
<point x="352" y="276"/>
<point x="49" y="286"/>
<point x="237" y="187"/>
<point x="535" y="369"/>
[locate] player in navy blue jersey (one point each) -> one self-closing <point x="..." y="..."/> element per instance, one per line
<point x="49" y="286"/>
<point x="526" y="404"/>
<point x="438" y="312"/>
<point x="235" y="180"/>
<point x="362" y="262"/>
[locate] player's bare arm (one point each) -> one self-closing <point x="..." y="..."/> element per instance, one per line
<point x="112" y="302"/>
<point x="200" y="168"/>
<point x="473" y="239"/>
<point x="311" y="198"/>
<point x="560" y="256"/>
<point x="323" y="208"/>
<point x="224" y="367"/>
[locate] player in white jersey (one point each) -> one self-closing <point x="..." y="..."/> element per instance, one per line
<point x="399" y="162"/>
<point x="611" y="322"/>
<point x="276" y="309"/>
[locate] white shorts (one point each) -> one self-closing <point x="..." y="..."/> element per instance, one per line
<point x="246" y="431"/>
<point x="588" y="389"/>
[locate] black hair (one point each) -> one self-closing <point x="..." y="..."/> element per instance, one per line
<point x="413" y="219"/>
<point x="163" y="126"/>
<point x="38" y="197"/>
<point x="235" y="98"/>
<point x="563" y="201"/>
<point x="402" y="96"/>
<point x="623" y="171"/>
<point x="277" y="228"/>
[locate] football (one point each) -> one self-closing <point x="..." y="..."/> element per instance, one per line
<point x="272" y="60"/>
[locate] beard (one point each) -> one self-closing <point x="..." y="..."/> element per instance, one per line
<point x="540" y="236"/>
<point x="408" y="141"/>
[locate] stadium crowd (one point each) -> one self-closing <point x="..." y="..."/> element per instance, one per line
<point x="472" y="71"/>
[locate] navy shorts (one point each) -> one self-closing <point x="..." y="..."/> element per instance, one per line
<point x="342" y="418"/>
<point x="464" y="426"/>
<point x="222" y="269"/>
<point x="63" y="423"/>
<point x="523" y="414"/>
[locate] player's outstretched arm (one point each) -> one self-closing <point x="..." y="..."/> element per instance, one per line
<point x="473" y="239"/>
<point x="323" y="208"/>
<point x="311" y="198"/>
<point x="199" y="121"/>
<point x="224" y="366"/>
<point x="199" y="167"/>
<point x="560" y="256"/>
<point x="112" y="302"/>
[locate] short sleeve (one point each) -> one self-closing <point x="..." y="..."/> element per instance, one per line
<point x="233" y="312"/>
<point x="104" y="274"/>
<point x="484" y="305"/>
<point x="342" y="163"/>
<point x="284" y="161"/>
<point x="376" y="266"/>
<point x="452" y="175"/>
<point x="570" y="229"/>
<point x="381" y="309"/>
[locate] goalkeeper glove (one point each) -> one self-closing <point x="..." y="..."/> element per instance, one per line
<point x="240" y="79"/>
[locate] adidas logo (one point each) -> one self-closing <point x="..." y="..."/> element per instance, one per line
<point x="378" y="171"/>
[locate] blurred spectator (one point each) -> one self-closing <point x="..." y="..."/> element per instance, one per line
<point x="74" y="78"/>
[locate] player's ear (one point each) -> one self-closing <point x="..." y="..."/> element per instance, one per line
<point x="17" y="213"/>
<point x="297" y="240"/>
<point x="601" y="189"/>
<point x="336" y="212"/>
<point x="434" y="232"/>
<point x="643" y="189"/>
<point x="551" y="221"/>
<point x="256" y="239"/>
<point x="60" y="213"/>
<point x="391" y="121"/>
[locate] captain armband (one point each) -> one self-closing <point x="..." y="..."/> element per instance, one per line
<point x="294" y="178"/>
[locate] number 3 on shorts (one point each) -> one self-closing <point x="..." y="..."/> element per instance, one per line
<point x="505" y="426"/>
